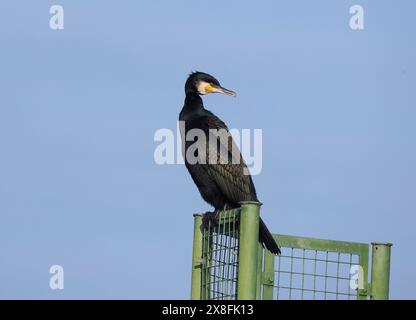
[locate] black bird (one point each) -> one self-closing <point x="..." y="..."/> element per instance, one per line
<point x="219" y="171"/>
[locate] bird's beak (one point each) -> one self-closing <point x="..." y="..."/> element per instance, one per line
<point x="220" y="89"/>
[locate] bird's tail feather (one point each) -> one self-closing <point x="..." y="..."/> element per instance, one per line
<point x="266" y="239"/>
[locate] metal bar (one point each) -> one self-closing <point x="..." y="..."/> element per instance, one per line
<point x="338" y="277"/>
<point x="311" y="259"/>
<point x="320" y="276"/>
<point x="349" y="285"/>
<point x="208" y="262"/>
<point x="228" y="259"/>
<point x="268" y="275"/>
<point x="303" y="271"/>
<point x="279" y="267"/>
<point x="314" y="277"/>
<point x="259" y="270"/>
<point x="326" y="275"/>
<point x="317" y="291"/>
<point x="380" y="270"/>
<point x="197" y="259"/>
<point x="247" y="255"/>
<point x="291" y="275"/>
<point x="234" y="268"/>
<point x="220" y="273"/>
<point x="319" y="244"/>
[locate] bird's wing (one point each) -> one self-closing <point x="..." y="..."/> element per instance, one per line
<point x="224" y="162"/>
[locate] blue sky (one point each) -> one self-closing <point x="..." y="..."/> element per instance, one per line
<point x="79" y="108"/>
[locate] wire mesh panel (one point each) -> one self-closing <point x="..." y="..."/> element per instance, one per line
<point x="226" y="265"/>
<point x="220" y="256"/>
<point x="316" y="269"/>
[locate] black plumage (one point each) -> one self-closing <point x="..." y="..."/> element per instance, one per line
<point x="219" y="171"/>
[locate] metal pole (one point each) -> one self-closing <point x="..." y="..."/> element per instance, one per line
<point x="268" y="275"/>
<point x="380" y="270"/>
<point x="259" y="270"/>
<point x="197" y="259"/>
<point x="247" y="253"/>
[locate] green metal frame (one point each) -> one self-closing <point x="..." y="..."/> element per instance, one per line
<point x="380" y="270"/>
<point x="197" y="259"/>
<point x="218" y="274"/>
<point x="315" y="246"/>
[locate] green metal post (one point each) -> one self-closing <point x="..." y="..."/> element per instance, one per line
<point x="259" y="270"/>
<point x="197" y="259"/>
<point x="247" y="253"/>
<point x="380" y="270"/>
<point x="268" y="275"/>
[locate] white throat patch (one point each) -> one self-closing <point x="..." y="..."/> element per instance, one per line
<point x="201" y="87"/>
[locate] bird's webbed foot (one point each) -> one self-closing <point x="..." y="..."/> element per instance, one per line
<point x="209" y="218"/>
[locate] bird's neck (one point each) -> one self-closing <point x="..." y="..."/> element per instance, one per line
<point x="193" y="102"/>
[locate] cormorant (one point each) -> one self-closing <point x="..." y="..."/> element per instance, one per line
<point x="222" y="181"/>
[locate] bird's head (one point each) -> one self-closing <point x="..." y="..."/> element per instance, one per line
<point x="203" y="83"/>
